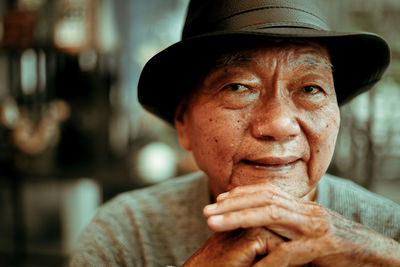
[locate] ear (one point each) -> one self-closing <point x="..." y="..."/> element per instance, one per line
<point x="181" y="125"/>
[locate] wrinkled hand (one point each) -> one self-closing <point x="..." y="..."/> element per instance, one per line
<point x="315" y="233"/>
<point x="238" y="248"/>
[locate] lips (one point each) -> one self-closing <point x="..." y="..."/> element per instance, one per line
<point x="273" y="163"/>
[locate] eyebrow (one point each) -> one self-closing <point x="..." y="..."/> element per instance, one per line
<point x="241" y="59"/>
<point x="312" y="62"/>
<point x="233" y="60"/>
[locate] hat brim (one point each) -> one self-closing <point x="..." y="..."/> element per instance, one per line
<point x="359" y="61"/>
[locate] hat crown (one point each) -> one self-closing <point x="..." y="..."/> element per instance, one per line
<point x="208" y="16"/>
<point x="212" y="26"/>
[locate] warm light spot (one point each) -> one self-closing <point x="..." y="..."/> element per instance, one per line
<point x="70" y="34"/>
<point x="156" y="162"/>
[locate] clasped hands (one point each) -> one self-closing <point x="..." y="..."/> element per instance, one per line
<point x="261" y="225"/>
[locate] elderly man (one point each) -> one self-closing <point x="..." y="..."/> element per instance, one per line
<point x="253" y="90"/>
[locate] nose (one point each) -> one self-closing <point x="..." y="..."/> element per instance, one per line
<point x="275" y="120"/>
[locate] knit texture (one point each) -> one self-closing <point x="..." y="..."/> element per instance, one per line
<point x="163" y="224"/>
<point x="360" y="205"/>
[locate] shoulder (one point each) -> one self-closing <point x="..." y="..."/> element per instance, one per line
<point x="331" y="186"/>
<point x="135" y="226"/>
<point x="168" y="190"/>
<point x="159" y="200"/>
<point x="358" y="204"/>
<point x="164" y="197"/>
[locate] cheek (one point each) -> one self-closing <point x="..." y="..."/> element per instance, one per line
<point x="321" y="134"/>
<point x="215" y="136"/>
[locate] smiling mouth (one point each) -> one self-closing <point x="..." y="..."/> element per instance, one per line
<point x="272" y="164"/>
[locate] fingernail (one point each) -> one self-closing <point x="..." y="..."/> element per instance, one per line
<point x="216" y="219"/>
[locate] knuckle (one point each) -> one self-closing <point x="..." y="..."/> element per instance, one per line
<point x="237" y="219"/>
<point x="319" y="223"/>
<point x="319" y="226"/>
<point x="255" y="238"/>
<point x="273" y="212"/>
<point x="318" y="210"/>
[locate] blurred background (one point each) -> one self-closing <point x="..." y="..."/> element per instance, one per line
<point x="72" y="134"/>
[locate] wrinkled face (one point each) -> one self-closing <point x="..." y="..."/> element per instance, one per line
<point x="264" y="114"/>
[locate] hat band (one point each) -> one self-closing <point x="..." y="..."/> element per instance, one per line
<point x="265" y="17"/>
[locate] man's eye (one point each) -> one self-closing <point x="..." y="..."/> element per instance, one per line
<point x="237" y="88"/>
<point x="311" y="89"/>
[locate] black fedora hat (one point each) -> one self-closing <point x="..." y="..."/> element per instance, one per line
<point x="359" y="59"/>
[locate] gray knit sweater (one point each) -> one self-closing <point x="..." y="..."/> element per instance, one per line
<point x="163" y="224"/>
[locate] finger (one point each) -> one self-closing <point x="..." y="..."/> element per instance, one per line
<point x="284" y="222"/>
<point x="291" y="224"/>
<point x="238" y="202"/>
<point x="261" y="239"/>
<point x="253" y="188"/>
<point x="295" y="253"/>
<point x="235" y="248"/>
<point x="300" y="205"/>
<point x="258" y="199"/>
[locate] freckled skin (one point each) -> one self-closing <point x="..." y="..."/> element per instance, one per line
<point x="274" y="118"/>
<point x="264" y="131"/>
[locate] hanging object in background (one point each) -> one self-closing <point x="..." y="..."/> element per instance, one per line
<point x="34" y="140"/>
<point x="26" y="135"/>
<point x="73" y="29"/>
<point x="85" y="24"/>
